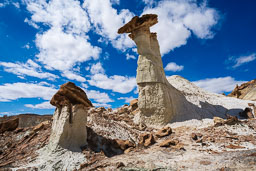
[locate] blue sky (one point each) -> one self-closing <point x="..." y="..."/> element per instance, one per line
<point x="45" y="43"/>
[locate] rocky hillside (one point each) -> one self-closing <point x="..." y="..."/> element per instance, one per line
<point x="246" y="91"/>
<point x="115" y="141"/>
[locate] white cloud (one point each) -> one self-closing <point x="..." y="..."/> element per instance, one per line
<point x="116" y="83"/>
<point x="73" y="76"/>
<point x="98" y="96"/>
<point x="66" y="15"/>
<point x="178" y="19"/>
<point x="128" y="56"/>
<point x="18" y="90"/>
<point x="65" y="44"/>
<point x="97" y="68"/>
<point x="84" y="85"/>
<point x="106" y="21"/>
<point x="243" y="60"/>
<point x="149" y="2"/>
<point x="173" y="67"/>
<point x="61" y="51"/>
<point x="2" y="5"/>
<point x="44" y="105"/>
<point x="29" y="68"/>
<point x="31" y="23"/>
<point x="218" y="85"/>
<point x="127" y="99"/>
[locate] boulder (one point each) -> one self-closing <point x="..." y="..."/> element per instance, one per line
<point x="124" y="144"/>
<point x="9" y="125"/>
<point x="146" y="139"/>
<point x="164" y="132"/>
<point x="168" y="143"/>
<point x="246" y="113"/>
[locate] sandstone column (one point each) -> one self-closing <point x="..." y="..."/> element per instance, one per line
<point x="158" y="101"/>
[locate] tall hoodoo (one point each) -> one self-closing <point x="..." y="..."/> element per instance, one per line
<point x="157" y="98"/>
<point x="70" y="117"/>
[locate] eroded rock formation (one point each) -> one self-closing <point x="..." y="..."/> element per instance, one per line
<point x="69" y="119"/>
<point x="158" y="100"/>
<point x="246" y="91"/>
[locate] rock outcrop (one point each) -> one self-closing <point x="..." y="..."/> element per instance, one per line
<point x="68" y="133"/>
<point x="159" y="101"/>
<point x="246" y="91"/>
<point x="70" y="117"/>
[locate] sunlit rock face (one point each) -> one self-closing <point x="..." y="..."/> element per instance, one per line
<point x="70" y="117"/>
<point x="157" y="98"/>
<point x="159" y="101"/>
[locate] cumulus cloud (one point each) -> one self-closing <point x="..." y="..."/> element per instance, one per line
<point x="30" y="68"/>
<point x="242" y="60"/>
<point x="98" y="96"/>
<point x="73" y="76"/>
<point x="44" y="105"/>
<point x="126" y="99"/>
<point x="65" y="43"/>
<point x="18" y="90"/>
<point x="173" y="67"/>
<point x="97" y="68"/>
<point x="178" y="19"/>
<point x="116" y="83"/>
<point x="106" y="21"/>
<point x="218" y="85"/>
<point x="61" y="51"/>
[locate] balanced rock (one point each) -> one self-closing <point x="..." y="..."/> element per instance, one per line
<point x="70" y="117"/>
<point x="162" y="101"/>
<point x="159" y="102"/>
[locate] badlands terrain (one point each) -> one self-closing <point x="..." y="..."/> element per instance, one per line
<point x="116" y="142"/>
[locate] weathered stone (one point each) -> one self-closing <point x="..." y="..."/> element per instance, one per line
<point x="124" y="144"/>
<point x="158" y="101"/>
<point x="134" y="104"/>
<point x="164" y="132"/>
<point x="246" y="113"/>
<point x="9" y="125"/>
<point x="41" y="126"/>
<point x="168" y="143"/>
<point x="146" y="139"/>
<point x="246" y="91"/>
<point x="69" y="94"/>
<point x="196" y="136"/>
<point x="70" y="117"/>
<point x="218" y="121"/>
